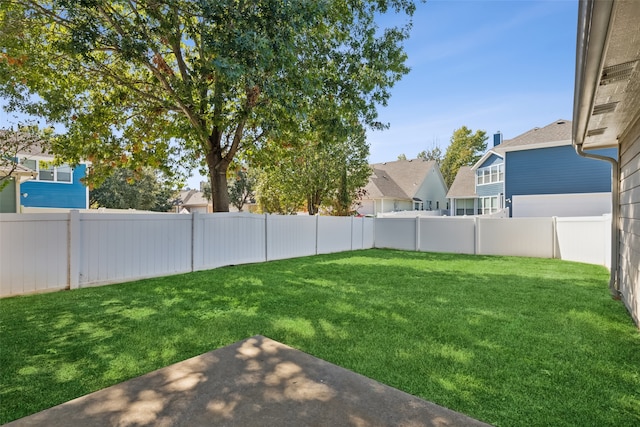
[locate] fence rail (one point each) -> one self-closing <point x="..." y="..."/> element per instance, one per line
<point x="42" y="252"/>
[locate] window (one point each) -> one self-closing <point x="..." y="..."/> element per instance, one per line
<point x="63" y="173"/>
<point x="464" y="207"/>
<point x="490" y="174"/>
<point x="47" y="172"/>
<point x="489" y="205"/>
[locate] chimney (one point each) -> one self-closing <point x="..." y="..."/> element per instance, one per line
<point x="497" y="138"/>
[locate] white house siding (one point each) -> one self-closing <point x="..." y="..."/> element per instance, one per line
<point x="434" y="190"/>
<point x="367" y="207"/>
<point x="629" y="261"/>
<point x="561" y="205"/>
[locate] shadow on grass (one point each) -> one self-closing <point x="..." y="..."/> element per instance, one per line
<point x="257" y="382"/>
<point x="511" y="341"/>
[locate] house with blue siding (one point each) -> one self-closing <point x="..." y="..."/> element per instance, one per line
<point x="51" y="185"/>
<point x="537" y="173"/>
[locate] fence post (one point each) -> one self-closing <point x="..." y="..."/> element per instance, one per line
<point x="196" y="236"/>
<point x="74" y="249"/>
<point x="317" y="221"/>
<point x="351" y="233"/>
<point x="417" y="234"/>
<point x="554" y="230"/>
<point x="476" y="236"/>
<point x="266" y="237"/>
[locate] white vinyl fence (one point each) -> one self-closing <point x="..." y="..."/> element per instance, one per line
<point x="41" y="252"/>
<point x="582" y="239"/>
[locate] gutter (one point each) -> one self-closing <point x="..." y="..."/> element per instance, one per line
<point x="594" y="19"/>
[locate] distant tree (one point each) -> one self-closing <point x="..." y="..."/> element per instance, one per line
<point x="205" y="187"/>
<point x="402" y="157"/>
<point x="326" y="172"/>
<point x="466" y="148"/>
<point x="126" y="189"/>
<point x="241" y="188"/>
<point x="435" y="153"/>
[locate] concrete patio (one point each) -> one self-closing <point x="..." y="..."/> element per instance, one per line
<point x="254" y="382"/>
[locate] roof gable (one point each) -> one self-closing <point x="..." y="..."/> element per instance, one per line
<point x="491" y="156"/>
<point x="398" y="180"/>
<point x="32" y="145"/>
<point x="464" y="184"/>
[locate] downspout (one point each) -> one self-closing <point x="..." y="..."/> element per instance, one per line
<point x="594" y="20"/>
<point x="614" y="287"/>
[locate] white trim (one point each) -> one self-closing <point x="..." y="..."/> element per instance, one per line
<point x="55" y="179"/>
<point x="485" y="157"/>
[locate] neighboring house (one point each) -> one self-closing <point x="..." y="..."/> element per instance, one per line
<point x="462" y="194"/>
<point x="191" y="201"/>
<point x="404" y="185"/>
<point x="11" y="193"/>
<point x="51" y="186"/>
<point x="606" y="113"/>
<point x="537" y="173"/>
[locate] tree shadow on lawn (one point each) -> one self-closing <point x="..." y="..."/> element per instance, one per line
<point x="510" y="341"/>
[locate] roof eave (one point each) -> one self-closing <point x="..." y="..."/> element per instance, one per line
<point x="594" y="19"/>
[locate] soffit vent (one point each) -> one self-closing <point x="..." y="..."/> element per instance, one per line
<point x="615" y="73"/>
<point x="604" y="108"/>
<point x="596" y="132"/>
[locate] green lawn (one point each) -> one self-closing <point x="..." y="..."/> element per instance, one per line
<point x="510" y="341"/>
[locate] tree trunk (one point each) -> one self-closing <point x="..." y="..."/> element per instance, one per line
<point x="217" y="174"/>
<point x="219" y="192"/>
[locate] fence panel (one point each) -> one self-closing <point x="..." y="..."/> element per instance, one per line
<point x="334" y="234"/>
<point x="121" y="247"/>
<point x="448" y="234"/>
<point x="290" y="236"/>
<point x="227" y="239"/>
<point x="368" y="233"/>
<point x="532" y="237"/>
<point x="395" y="233"/>
<point x="357" y="233"/>
<point x="34" y="253"/>
<point x="585" y="239"/>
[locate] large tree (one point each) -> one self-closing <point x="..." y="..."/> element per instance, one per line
<point x="146" y="82"/>
<point x="466" y="149"/>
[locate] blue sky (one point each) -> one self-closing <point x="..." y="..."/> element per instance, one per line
<point x="492" y="65"/>
<point x="504" y="65"/>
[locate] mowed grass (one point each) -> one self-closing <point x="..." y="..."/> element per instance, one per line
<point x="510" y="341"/>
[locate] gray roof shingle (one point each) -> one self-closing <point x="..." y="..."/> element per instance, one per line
<point x="397" y="180"/>
<point x="464" y="185"/>
<point x="560" y="130"/>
